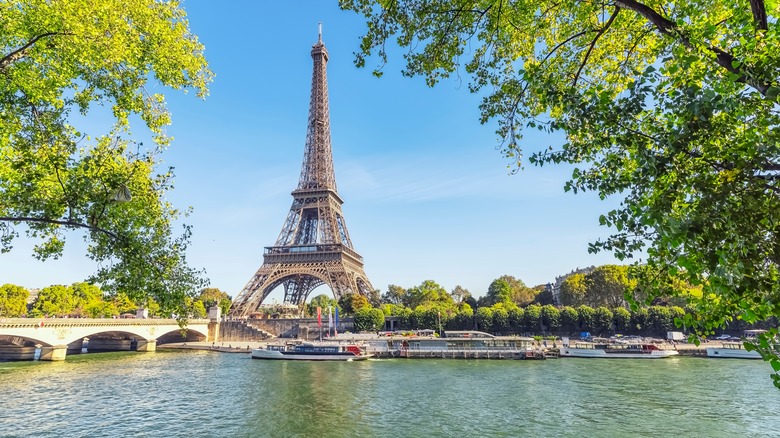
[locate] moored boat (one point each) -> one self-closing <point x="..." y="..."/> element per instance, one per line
<point x="454" y="345"/>
<point x="616" y="350"/>
<point x="309" y="351"/>
<point x="732" y="350"/>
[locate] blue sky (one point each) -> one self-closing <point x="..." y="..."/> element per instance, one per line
<point x="427" y="194"/>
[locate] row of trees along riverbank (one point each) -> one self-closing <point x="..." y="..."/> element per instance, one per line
<point x="87" y="300"/>
<point x="593" y="301"/>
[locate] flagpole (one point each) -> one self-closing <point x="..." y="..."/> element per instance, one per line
<point x="330" y="319"/>
<point x="319" y="321"/>
<point x="336" y="331"/>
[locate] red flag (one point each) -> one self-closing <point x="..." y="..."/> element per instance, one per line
<point x="319" y="316"/>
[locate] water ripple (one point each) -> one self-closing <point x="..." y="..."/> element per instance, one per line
<point x="205" y="394"/>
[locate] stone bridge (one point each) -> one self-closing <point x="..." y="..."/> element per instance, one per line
<point x="53" y="338"/>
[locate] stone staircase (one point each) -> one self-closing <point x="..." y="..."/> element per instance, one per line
<point x="242" y="331"/>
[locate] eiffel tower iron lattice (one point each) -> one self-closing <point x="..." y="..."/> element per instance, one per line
<point x="314" y="247"/>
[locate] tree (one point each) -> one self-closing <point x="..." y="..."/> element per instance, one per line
<point x="516" y="318"/>
<point x="85" y="294"/>
<point x="573" y="290"/>
<point x="392" y="309"/>
<point x="351" y="302"/>
<point x="101" y="309"/>
<point x="622" y="318"/>
<point x="640" y="319"/>
<point x="369" y="319"/>
<point x="124" y="304"/>
<point x="607" y="286"/>
<point x="323" y="301"/>
<point x="54" y="177"/>
<point x="394" y="295"/>
<point x="460" y="294"/>
<point x="500" y="320"/>
<point x="498" y="292"/>
<point x="660" y="319"/>
<point x="587" y="316"/>
<point x="551" y="317"/>
<point x="57" y="300"/>
<point x="359" y="302"/>
<point x="485" y="319"/>
<point x="532" y="318"/>
<point x="544" y="294"/>
<point x="429" y="292"/>
<point x="406" y="315"/>
<point x="212" y="296"/>
<point x="463" y="318"/>
<point x="471" y="302"/>
<point x="570" y="320"/>
<point x="677" y="314"/>
<point x="13" y="300"/>
<point x="374" y="298"/>
<point x="154" y="309"/>
<point x="602" y="320"/>
<point x="673" y="107"/>
<point x="198" y="309"/>
<point x="520" y="293"/>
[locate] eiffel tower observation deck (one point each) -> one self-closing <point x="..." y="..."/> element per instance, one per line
<point x="314" y="247"/>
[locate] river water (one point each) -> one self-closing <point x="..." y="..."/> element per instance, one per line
<point x="207" y="394"/>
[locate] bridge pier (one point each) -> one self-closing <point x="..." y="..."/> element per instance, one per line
<point x="213" y="334"/>
<point x="146" y="345"/>
<point x="53" y="353"/>
<point x="215" y="315"/>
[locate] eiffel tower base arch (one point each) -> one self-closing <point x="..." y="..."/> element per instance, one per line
<point x="299" y="280"/>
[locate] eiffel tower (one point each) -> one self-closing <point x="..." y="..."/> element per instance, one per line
<point x="314" y="247"/>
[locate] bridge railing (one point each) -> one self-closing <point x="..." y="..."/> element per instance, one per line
<point x="40" y="322"/>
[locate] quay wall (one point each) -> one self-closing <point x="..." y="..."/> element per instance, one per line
<point x="249" y="330"/>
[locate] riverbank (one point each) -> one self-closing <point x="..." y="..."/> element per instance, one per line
<point x="220" y="347"/>
<point x="684" y="349"/>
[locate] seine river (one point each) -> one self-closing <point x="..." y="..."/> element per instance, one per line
<point x="206" y="394"/>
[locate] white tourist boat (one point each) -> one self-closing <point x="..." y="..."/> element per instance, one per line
<point x="310" y="351"/>
<point x="615" y="350"/>
<point x="456" y="344"/>
<point x="732" y="350"/>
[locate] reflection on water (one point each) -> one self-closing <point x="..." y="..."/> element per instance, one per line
<point x="202" y="394"/>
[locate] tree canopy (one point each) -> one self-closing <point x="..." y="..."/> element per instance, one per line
<point x="573" y="290"/>
<point x="672" y="106"/>
<point x="212" y="296"/>
<point x="323" y="301"/>
<point x="609" y="284"/>
<point x="429" y="293"/>
<point x="508" y="289"/>
<point x="13" y="300"/>
<point x="62" y="61"/>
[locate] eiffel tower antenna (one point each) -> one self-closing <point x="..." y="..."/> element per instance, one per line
<point x="313" y="247"/>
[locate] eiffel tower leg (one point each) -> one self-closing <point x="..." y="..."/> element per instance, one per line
<point x="295" y="290"/>
<point x="253" y="293"/>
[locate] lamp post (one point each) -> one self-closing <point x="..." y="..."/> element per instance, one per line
<point x="439" y="314"/>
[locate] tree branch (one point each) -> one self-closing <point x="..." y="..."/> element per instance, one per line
<point x="668" y="27"/>
<point x="564" y="42"/>
<point x="759" y="14"/>
<point x="22" y="51"/>
<point x="593" y="43"/>
<point x="67" y="223"/>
